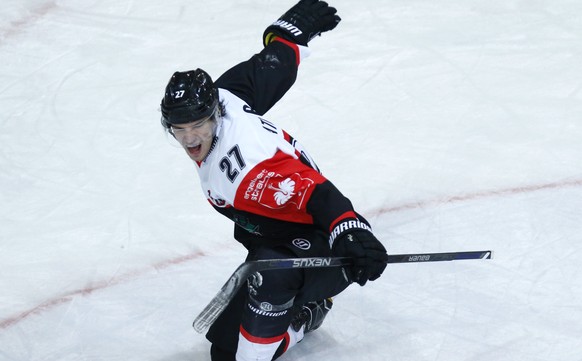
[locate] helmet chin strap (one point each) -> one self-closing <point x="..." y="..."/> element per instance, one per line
<point x="215" y="131"/>
<point x="217" y="123"/>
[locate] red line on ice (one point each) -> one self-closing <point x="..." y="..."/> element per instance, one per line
<point x="477" y="195"/>
<point x="68" y="297"/>
<point x="17" y="26"/>
<point x="52" y="303"/>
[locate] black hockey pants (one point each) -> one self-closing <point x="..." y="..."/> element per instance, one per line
<point x="278" y="287"/>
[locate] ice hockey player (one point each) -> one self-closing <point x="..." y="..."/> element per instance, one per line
<point x="261" y="178"/>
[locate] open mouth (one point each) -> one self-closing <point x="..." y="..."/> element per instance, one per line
<point x="194" y="150"/>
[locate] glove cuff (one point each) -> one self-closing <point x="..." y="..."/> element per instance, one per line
<point x="269" y="37"/>
<point x="285" y="30"/>
<point x="346" y="226"/>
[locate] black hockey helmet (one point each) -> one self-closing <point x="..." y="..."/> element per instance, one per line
<point x="190" y="95"/>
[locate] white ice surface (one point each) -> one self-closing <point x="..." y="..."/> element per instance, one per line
<point x="452" y="125"/>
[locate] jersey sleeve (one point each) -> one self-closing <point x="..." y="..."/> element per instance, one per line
<point x="262" y="80"/>
<point x="329" y="207"/>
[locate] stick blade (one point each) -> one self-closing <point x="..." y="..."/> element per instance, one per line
<point x="215" y="307"/>
<point x="474" y="255"/>
<point x="438" y="257"/>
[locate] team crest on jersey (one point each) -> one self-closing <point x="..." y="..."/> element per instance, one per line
<point x="275" y="191"/>
<point x="280" y="191"/>
<point x="283" y="191"/>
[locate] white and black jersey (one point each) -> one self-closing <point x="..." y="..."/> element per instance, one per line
<point x="256" y="174"/>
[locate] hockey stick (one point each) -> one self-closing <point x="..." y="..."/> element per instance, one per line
<point x="211" y="312"/>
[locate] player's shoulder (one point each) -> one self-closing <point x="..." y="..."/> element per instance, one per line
<point x="238" y="116"/>
<point x="234" y="105"/>
<point x="227" y="96"/>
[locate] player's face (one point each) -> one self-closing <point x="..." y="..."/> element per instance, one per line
<point x="195" y="137"/>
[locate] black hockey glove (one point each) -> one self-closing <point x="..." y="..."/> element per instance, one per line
<point x="303" y="22"/>
<point x="368" y="253"/>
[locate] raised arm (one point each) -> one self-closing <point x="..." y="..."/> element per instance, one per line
<point x="263" y="79"/>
